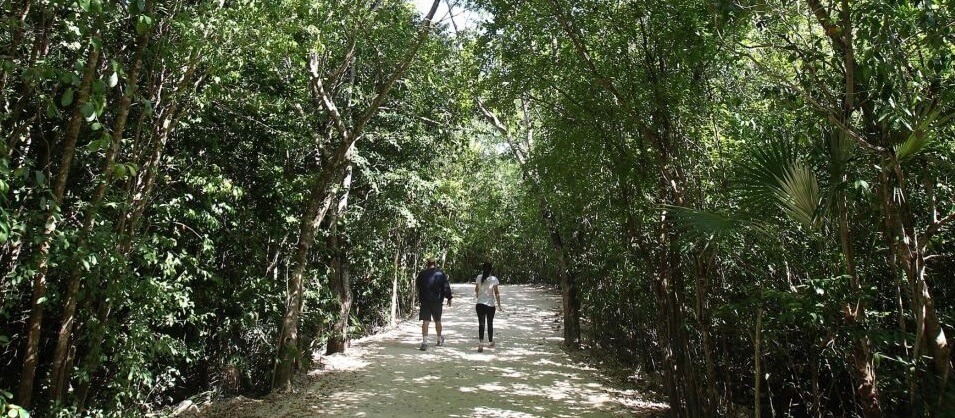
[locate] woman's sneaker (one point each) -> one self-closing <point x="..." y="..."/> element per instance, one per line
<point x="423" y="347"/>
<point x="480" y="348"/>
<point x="440" y="341"/>
<point x="491" y="345"/>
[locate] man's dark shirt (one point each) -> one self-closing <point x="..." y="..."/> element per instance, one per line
<point x="433" y="285"/>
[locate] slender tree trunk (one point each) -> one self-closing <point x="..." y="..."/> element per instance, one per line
<point x="31" y="358"/>
<point x="710" y="397"/>
<point x="570" y="300"/>
<point x="59" y="372"/>
<point x="41" y="47"/>
<point x="20" y="22"/>
<point x="288" y="338"/>
<point x="91" y="360"/>
<point x="393" y="318"/>
<point x="910" y="256"/>
<point x="866" y="390"/>
<point x="340" y="278"/>
<point x="758" y="366"/>
<point x="127" y="226"/>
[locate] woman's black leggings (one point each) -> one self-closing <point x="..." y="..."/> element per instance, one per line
<point x="485" y="313"/>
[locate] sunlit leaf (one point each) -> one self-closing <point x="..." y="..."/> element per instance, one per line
<point x="67" y="98"/>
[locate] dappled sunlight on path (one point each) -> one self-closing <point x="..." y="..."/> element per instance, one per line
<point x="526" y="375"/>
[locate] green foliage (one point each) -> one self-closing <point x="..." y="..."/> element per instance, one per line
<point x="690" y="162"/>
<point x="11" y="410"/>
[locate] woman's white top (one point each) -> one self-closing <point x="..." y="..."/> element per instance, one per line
<point x="486" y="289"/>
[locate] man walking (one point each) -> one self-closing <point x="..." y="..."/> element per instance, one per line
<point x="433" y="287"/>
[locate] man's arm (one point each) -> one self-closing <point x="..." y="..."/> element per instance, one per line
<point x="447" y="289"/>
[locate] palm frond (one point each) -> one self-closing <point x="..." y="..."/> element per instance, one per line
<point x="704" y="223"/>
<point x="762" y="168"/>
<point x="919" y="138"/>
<point x="773" y="178"/>
<point x="798" y="194"/>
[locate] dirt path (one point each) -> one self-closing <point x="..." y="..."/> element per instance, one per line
<point x="526" y="375"/>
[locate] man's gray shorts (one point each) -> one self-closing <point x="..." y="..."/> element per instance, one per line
<point x="431" y="311"/>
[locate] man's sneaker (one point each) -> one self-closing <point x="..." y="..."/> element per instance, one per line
<point x="423" y="347"/>
<point x="440" y="341"/>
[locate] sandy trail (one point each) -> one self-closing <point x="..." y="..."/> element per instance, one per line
<point x="526" y="375"/>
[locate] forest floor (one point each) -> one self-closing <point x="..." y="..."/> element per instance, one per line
<point x="528" y="374"/>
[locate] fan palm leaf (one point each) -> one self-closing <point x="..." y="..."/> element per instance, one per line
<point x="919" y="138"/>
<point x="798" y="194"/>
<point x="774" y="178"/>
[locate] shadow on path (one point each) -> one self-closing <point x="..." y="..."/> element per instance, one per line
<point x="526" y="375"/>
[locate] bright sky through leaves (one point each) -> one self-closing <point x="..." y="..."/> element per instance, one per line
<point x="462" y="18"/>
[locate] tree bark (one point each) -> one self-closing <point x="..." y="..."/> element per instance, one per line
<point x="59" y="372"/>
<point x="570" y="299"/>
<point x="340" y="275"/>
<point x="393" y="317"/>
<point x="34" y="322"/>
<point x="288" y="339"/>
<point x="128" y="224"/>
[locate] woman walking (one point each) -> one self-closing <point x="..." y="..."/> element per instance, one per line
<point x="484" y="285"/>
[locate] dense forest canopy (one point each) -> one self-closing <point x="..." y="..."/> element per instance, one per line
<point x="749" y="202"/>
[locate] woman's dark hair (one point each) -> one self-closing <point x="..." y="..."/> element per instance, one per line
<point x="486" y="270"/>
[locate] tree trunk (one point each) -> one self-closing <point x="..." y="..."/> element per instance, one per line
<point x="127" y="226"/>
<point x="288" y="339"/>
<point x="16" y="39"/>
<point x="340" y="278"/>
<point x="288" y="350"/>
<point x="910" y="256"/>
<point x="59" y="372"/>
<point x="34" y="322"/>
<point x="570" y="300"/>
<point x="867" y="393"/>
<point x="758" y="365"/>
<point x="393" y="318"/>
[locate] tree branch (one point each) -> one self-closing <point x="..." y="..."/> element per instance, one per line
<point x="833" y="31"/>
<point x="423" y="32"/>
<point x="319" y="93"/>
<point x="581" y="50"/>
<point x="934" y="228"/>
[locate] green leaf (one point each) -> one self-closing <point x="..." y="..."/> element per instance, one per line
<point x="119" y="171"/>
<point x="701" y="223"/>
<point x="799" y="194"/>
<point x="99" y="87"/>
<point x="919" y="138"/>
<point x="88" y="111"/>
<point x="67" y="98"/>
<point x="51" y="111"/>
<point x="143" y="24"/>
<point x="85" y="5"/>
